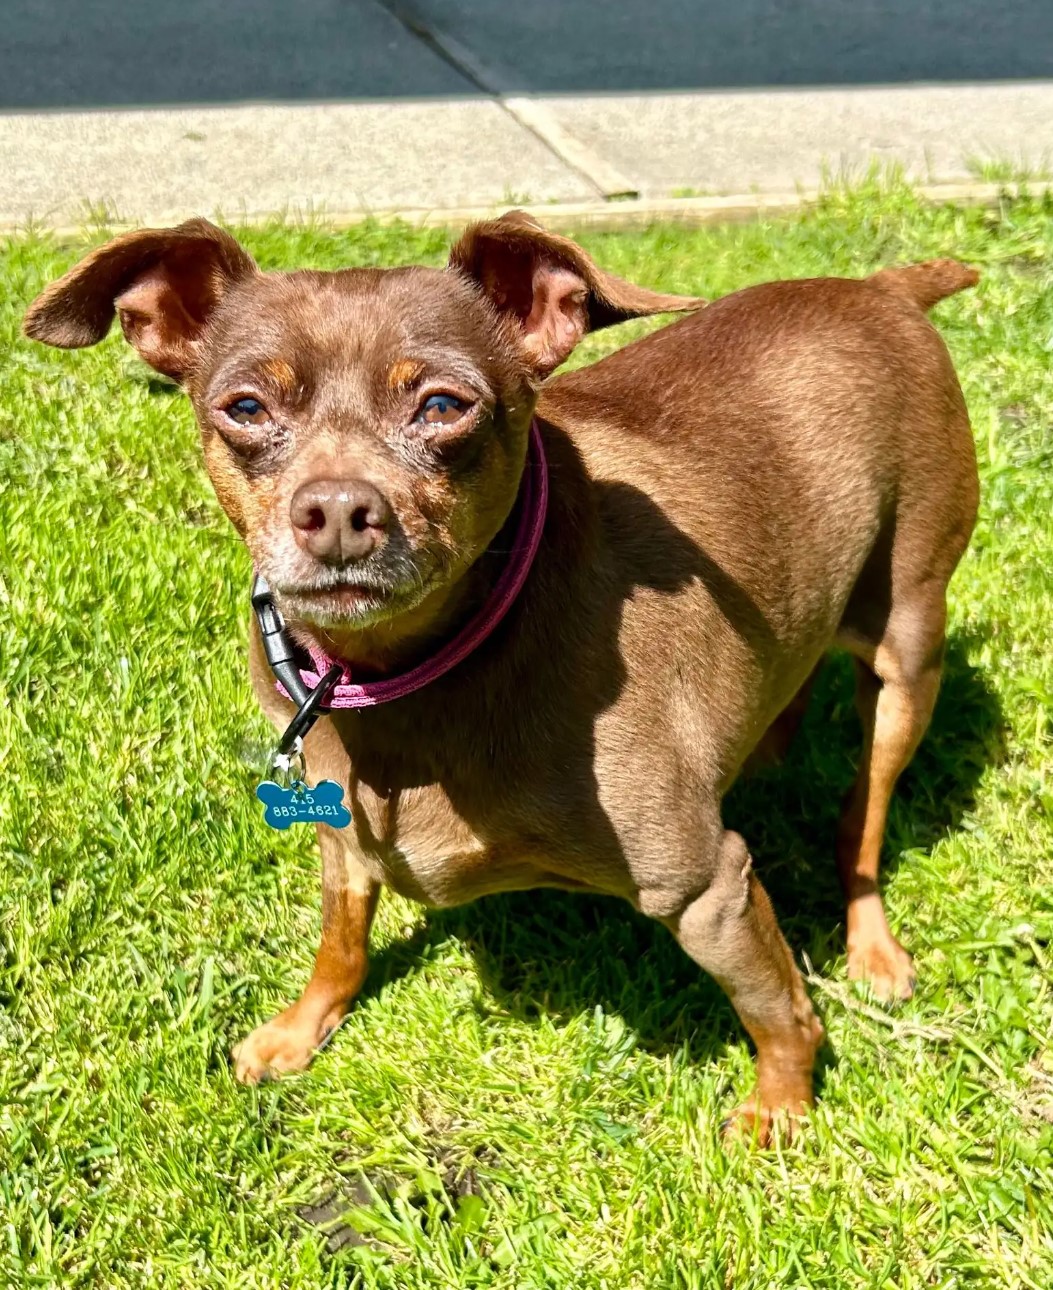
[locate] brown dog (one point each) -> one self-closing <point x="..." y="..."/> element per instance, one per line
<point x="786" y="470"/>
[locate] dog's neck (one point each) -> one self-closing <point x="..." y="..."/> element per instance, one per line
<point x="394" y="645"/>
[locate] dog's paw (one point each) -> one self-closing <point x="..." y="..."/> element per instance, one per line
<point x="759" y="1126"/>
<point x="285" y="1044"/>
<point x="885" y="966"/>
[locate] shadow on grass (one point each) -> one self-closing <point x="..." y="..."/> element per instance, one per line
<point x="549" y="952"/>
<point x="552" y="953"/>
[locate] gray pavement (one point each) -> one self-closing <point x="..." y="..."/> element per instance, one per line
<point x="157" y="110"/>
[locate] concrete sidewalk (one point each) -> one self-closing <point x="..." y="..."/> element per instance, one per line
<point x="140" y="110"/>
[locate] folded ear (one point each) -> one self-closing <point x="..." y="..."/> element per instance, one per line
<point x="549" y="287"/>
<point x="163" y="282"/>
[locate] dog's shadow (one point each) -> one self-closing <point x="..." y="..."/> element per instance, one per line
<point x="549" y="952"/>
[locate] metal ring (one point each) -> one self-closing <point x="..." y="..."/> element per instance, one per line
<point x="291" y="766"/>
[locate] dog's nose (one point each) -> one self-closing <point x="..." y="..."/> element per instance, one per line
<point x="339" y="521"/>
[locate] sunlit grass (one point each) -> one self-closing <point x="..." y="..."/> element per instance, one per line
<point x="533" y="1085"/>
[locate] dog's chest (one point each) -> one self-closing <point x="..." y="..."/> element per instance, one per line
<point x="416" y="841"/>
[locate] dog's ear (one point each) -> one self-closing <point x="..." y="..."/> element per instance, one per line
<point x="549" y="287"/>
<point x="164" y="284"/>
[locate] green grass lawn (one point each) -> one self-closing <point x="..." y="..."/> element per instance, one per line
<point x="530" y="1090"/>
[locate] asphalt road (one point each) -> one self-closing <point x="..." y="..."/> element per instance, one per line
<point x="107" y="53"/>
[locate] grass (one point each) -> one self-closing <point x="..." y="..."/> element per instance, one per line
<point x="1000" y="170"/>
<point x="530" y="1091"/>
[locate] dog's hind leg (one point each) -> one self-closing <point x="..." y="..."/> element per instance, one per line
<point x="896" y="688"/>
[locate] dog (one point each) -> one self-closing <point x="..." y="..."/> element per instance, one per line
<point x="786" y="470"/>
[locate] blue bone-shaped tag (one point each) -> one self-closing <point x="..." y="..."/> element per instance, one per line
<point x="299" y="804"/>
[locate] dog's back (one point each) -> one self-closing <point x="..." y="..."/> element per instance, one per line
<point x="782" y="422"/>
<point x="798" y="436"/>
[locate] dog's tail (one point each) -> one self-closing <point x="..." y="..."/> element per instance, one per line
<point x="928" y="283"/>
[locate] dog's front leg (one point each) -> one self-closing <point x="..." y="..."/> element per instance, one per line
<point x="730" y="930"/>
<point x="349" y="900"/>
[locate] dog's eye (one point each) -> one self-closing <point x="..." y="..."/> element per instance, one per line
<point x="441" y="410"/>
<point x="247" y="412"/>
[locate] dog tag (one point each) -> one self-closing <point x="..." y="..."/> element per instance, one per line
<point x="298" y="803"/>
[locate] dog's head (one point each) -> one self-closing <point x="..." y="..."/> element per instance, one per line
<point x="365" y="430"/>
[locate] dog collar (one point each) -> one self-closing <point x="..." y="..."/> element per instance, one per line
<point x="328" y="683"/>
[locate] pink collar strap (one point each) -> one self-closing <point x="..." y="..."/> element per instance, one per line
<point x="533" y="505"/>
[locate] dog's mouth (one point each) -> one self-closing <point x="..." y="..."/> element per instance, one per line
<point x="336" y="601"/>
<point x="348" y="599"/>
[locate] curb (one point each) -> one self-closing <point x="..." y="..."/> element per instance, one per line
<point x="594" y="215"/>
<point x="739" y="208"/>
